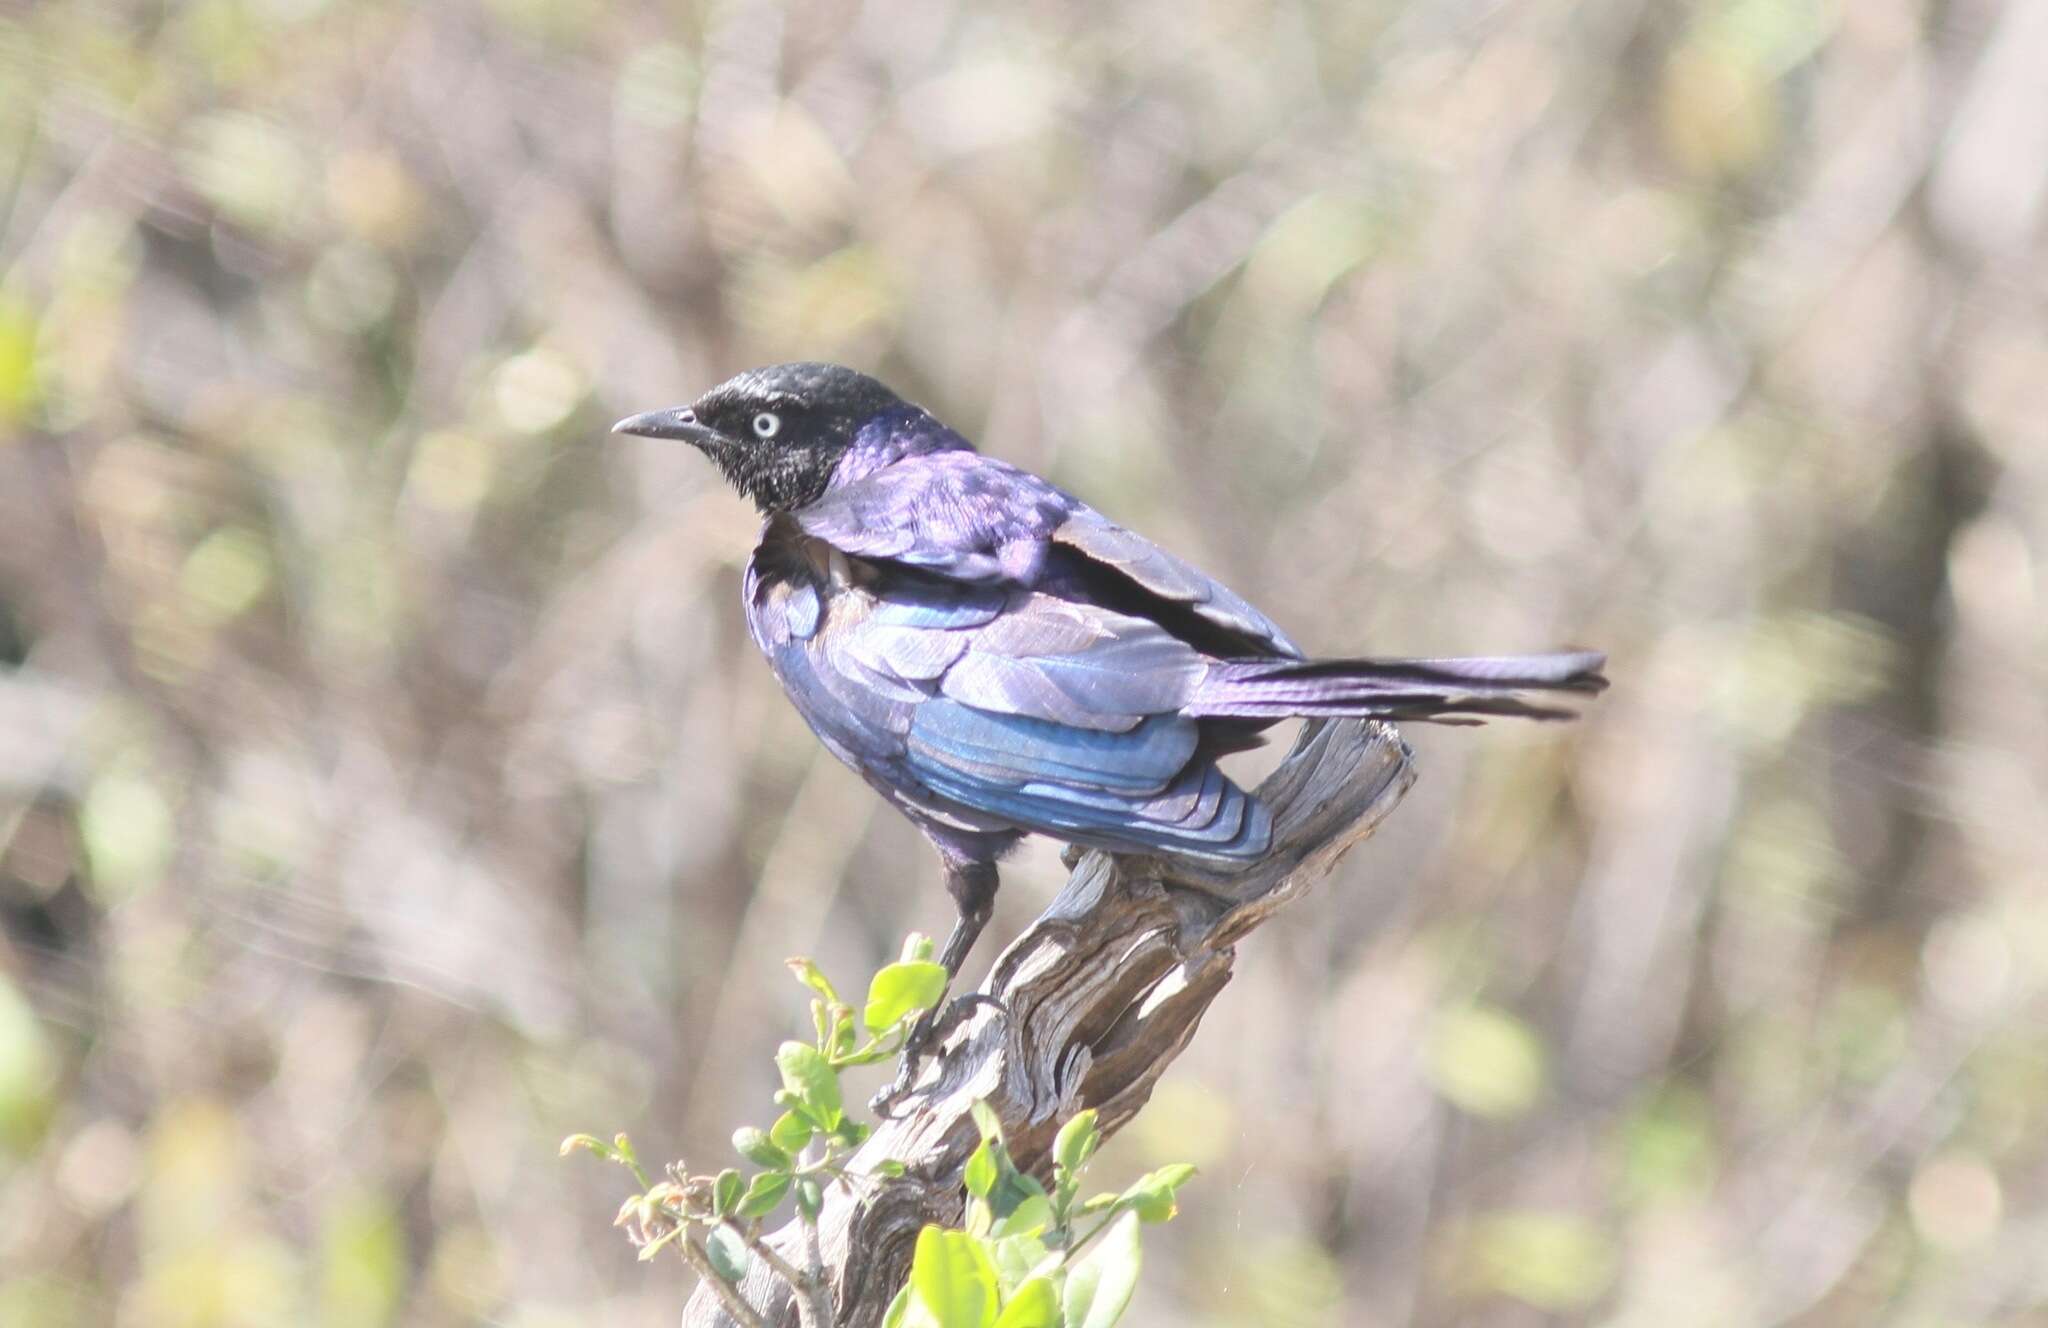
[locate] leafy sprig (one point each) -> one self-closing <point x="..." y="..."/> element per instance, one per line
<point x="1029" y="1257"/>
<point x="1025" y="1256"/>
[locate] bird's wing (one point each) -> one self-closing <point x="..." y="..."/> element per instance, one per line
<point x="1055" y="715"/>
<point x="1142" y="789"/>
<point x="987" y="705"/>
<point x="956" y="514"/>
<point x="967" y="517"/>
<point x="1076" y="665"/>
<point x="1161" y="574"/>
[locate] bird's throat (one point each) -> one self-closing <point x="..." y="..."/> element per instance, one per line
<point x="777" y="479"/>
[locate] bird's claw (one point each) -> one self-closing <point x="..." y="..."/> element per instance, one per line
<point x="924" y="1035"/>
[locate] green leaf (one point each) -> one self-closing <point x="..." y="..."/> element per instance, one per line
<point x="810" y="1197"/>
<point x="813" y="977"/>
<point x="762" y="1195"/>
<point x="1036" y="1305"/>
<point x="893" y="1316"/>
<point x="953" y="1280"/>
<point x="1016" y="1259"/>
<point x="1032" y="1215"/>
<point x="589" y="1143"/>
<point x="890" y="1168"/>
<point x="755" y="1146"/>
<point x="1076" y="1141"/>
<point x="1152" y="1196"/>
<point x="981" y="1172"/>
<point x="985" y="1119"/>
<point x="1150" y="1204"/>
<point x="1099" y="1287"/>
<point x="659" y="1243"/>
<point x="729" y="1254"/>
<point x="1014" y="1188"/>
<point x="900" y="990"/>
<point x="917" y="947"/>
<point x="726" y="1191"/>
<point x="807" y="1075"/>
<point x="790" y="1132"/>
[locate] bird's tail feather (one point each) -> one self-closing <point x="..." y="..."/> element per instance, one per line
<point x="1442" y="691"/>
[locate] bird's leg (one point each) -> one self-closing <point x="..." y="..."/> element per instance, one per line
<point x="973" y="887"/>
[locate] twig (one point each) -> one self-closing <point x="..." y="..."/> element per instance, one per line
<point x="813" y="1311"/>
<point x="814" y="1271"/>
<point x="729" y="1297"/>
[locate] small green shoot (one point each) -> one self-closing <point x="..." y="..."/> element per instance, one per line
<point x="1024" y="1256"/>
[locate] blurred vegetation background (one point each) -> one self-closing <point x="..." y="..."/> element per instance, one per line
<point x="388" y="788"/>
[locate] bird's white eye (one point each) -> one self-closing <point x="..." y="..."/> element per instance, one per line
<point x="767" y="424"/>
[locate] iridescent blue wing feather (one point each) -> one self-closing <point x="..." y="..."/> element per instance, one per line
<point x="1143" y="789"/>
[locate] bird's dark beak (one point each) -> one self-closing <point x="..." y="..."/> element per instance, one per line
<point x="678" y="423"/>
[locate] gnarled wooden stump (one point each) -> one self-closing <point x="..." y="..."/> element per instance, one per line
<point x="1094" y="1001"/>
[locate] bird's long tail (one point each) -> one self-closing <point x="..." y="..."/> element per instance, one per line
<point x="1442" y="691"/>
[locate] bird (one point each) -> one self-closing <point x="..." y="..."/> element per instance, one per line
<point x="998" y="659"/>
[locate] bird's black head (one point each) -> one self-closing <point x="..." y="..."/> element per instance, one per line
<point x="777" y="433"/>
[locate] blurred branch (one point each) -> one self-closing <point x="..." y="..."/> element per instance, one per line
<point x="1088" y="1008"/>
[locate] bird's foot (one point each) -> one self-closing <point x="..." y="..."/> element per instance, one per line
<point x="924" y="1036"/>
